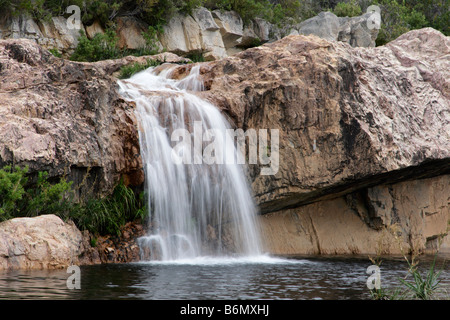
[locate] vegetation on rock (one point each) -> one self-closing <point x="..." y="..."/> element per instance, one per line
<point x="398" y="16"/>
<point x="20" y="197"/>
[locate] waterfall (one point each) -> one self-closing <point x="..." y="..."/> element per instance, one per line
<point x="198" y="206"/>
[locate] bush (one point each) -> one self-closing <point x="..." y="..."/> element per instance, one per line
<point x="18" y="198"/>
<point x="12" y="190"/>
<point x="397" y="19"/>
<point x="129" y="70"/>
<point x="103" y="46"/>
<point x="347" y="9"/>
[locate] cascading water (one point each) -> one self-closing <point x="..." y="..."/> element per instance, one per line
<point x="198" y="207"/>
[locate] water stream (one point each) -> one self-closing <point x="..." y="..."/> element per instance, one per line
<point x="199" y="204"/>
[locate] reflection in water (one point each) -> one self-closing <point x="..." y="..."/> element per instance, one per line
<point x="308" y="278"/>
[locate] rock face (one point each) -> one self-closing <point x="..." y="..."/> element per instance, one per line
<point x="215" y="34"/>
<point x="67" y="118"/>
<point x="354" y="31"/>
<point x="52" y="34"/>
<point x="198" y="33"/>
<point x="43" y="242"/>
<point x="364" y="134"/>
<point x="112" y="248"/>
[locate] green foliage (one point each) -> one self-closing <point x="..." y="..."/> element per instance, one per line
<point x="19" y="198"/>
<point x="151" y="40"/>
<point x="12" y="190"/>
<point x="247" y="9"/>
<point x="55" y="52"/>
<point x="107" y="215"/>
<point x="400" y="17"/>
<point x="101" y="47"/>
<point x="129" y="70"/>
<point x="47" y="198"/>
<point x="347" y="9"/>
<point x="423" y="288"/>
<point x="196" y="57"/>
<point x="105" y="46"/>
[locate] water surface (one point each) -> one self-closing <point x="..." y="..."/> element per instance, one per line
<point x="294" y="278"/>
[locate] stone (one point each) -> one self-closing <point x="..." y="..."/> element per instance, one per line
<point x="262" y="29"/>
<point x="231" y="27"/>
<point x="94" y="29"/>
<point x="112" y="248"/>
<point x="249" y="37"/>
<point x="192" y="34"/>
<point x="212" y="43"/>
<point x="356" y="32"/>
<point x="43" y="242"/>
<point x="205" y="19"/>
<point x="67" y="118"/>
<point x="349" y="120"/>
<point x="392" y="219"/>
<point x="352" y="30"/>
<point x="129" y="30"/>
<point x="325" y="25"/>
<point x="173" y="36"/>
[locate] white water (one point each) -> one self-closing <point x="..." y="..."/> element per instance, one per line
<point x="197" y="210"/>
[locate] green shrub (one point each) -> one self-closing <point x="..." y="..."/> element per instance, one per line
<point x="347" y="9"/>
<point x="423" y="288"/>
<point x="101" y="47"/>
<point x="151" y="40"/>
<point x="12" y="190"/>
<point x="129" y="70"/>
<point x="107" y="215"/>
<point x="196" y="57"/>
<point x="55" y="52"/>
<point x="398" y="18"/>
<point x="19" y="198"/>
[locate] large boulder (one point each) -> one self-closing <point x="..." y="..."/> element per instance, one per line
<point x="43" y="242"/>
<point x="212" y="43"/>
<point x="349" y="120"/>
<point x="67" y="118"/>
<point x="231" y="27"/>
<point x="325" y="25"/>
<point x="51" y="34"/>
<point x="358" y="31"/>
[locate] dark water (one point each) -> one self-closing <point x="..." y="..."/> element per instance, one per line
<point x="288" y="278"/>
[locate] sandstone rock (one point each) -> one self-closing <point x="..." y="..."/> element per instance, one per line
<point x="129" y="31"/>
<point x="340" y="110"/>
<point x="349" y="119"/>
<point x="262" y="29"/>
<point x="409" y="216"/>
<point x="66" y="118"/>
<point x="52" y="34"/>
<point x="112" y="248"/>
<point x="192" y="35"/>
<point x="354" y="30"/>
<point x="94" y="29"/>
<point x="212" y="43"/>
<point x="38" y="243"/>
<point x="205" y="19"/>
<point x="249" y="37"/>
<point x="173" y="36"/>
<point x="231" y="27"/>
<point x="325" y="25"/>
